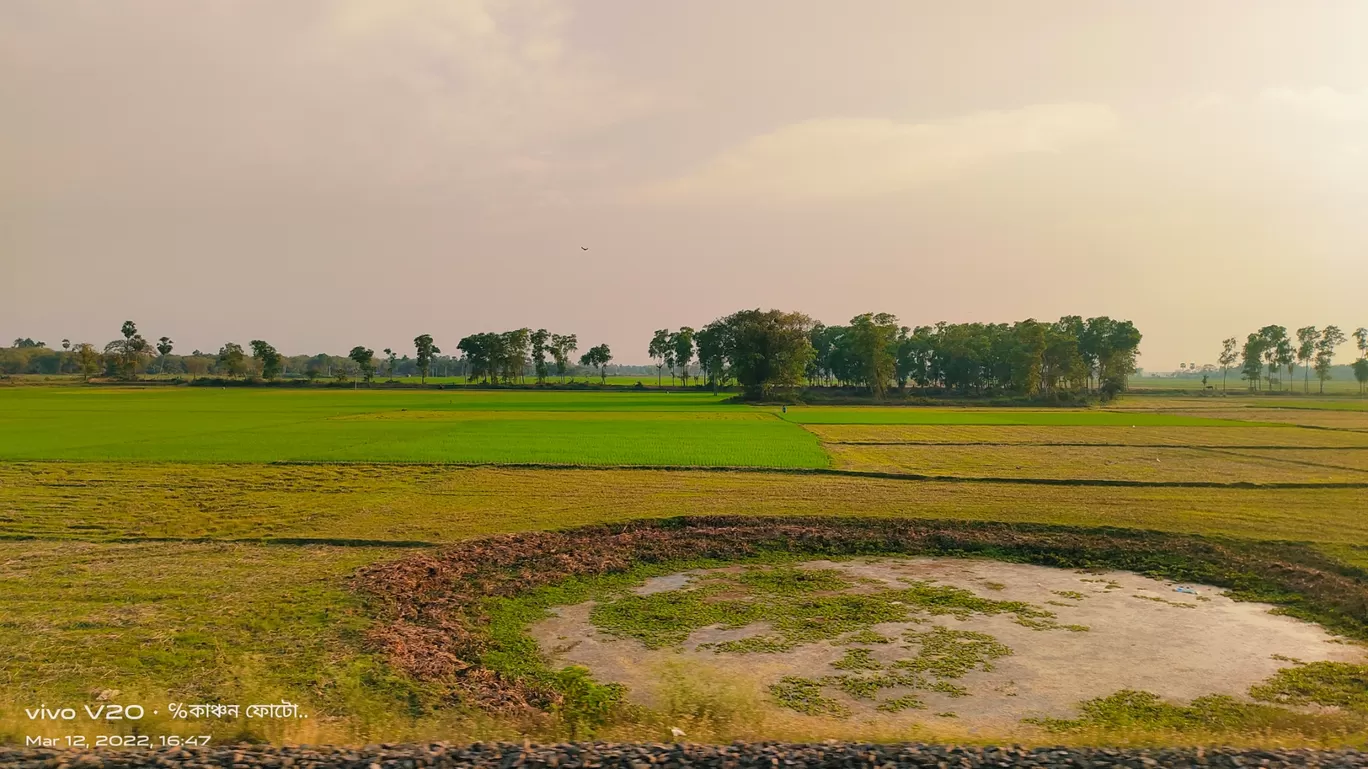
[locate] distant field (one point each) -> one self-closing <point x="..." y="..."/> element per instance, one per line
<point x="1280" y="436"/>
<point x="1358" y="404"/>
<point x="1159" y="465"/>
<point x="1236" y="385"/>
<point x="246" y="425"/>
<point x="903" y="415"/>
<point x="1341" y="419"/>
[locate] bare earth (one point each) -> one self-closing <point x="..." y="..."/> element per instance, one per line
<point x="1179" y="648"/>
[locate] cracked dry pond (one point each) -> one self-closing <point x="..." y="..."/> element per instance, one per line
<point x="921" y="640"/>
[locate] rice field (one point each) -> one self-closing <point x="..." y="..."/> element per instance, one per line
<point x="245" y="425"/>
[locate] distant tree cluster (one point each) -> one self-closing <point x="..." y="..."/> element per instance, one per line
<point x="491" y="357"/>
<point x="760" y="350"/>
<point x="673" y="350"/>
<point x="764" y="351"/>
<point x="1027" y="357"/>
<point x="1268" y="352"/>
<point x="506" y="357"/>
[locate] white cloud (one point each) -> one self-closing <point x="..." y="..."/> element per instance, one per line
<point x="301" y="98"/>
<point x="1323" y="103"/>
<point x="496" y="74"/>
<point x="848" y="157"/>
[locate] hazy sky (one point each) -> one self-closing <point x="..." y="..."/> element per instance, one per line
<point x="326" y="174"/>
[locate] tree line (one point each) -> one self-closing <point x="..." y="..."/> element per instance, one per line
<point x="1266" y="353"/>
<point x="762" y="351"/>
<point x="765" y="351"/>
<point x="489" y="357"/>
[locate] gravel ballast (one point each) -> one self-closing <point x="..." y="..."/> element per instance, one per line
<point x="645" y="756"/>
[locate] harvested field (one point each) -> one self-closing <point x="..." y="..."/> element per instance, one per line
<point x="392" y="504"/>
<point x="1334" y="458"/>
<point x="1098" y="462"/>
<point x="177" y="622"/>
<point x="1336" y="419"/>
<point x="915" y="415"/>
<point x="1289" y="436"/>
<point x="1088" y="638"/>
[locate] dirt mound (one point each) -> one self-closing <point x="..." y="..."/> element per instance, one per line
<point x="433" y="625"/>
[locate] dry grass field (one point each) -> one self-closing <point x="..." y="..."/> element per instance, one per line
<point x="170" y="575"/>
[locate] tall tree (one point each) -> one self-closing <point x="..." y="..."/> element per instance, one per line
<point x="1361" y="365"/>
<point x="267" y="356"/>
<point x="1330" y="338"/>
<point x="164" y="347"/>
<point x="1252" y="360"/>
<point x="1228" y="358"/>
<point x="1273" y="337"/>
<point x="682" y="347"/>
<point x="768" y="350"/>
<point x="88" y="359"/>
<point x="1093" y="343"/>
<point x="598" y="357"/>
<point x="874" y="339"/>
<point x="539" y="340"/>
<point x="124" y="355"/>
<point x="365" y="361"/>
<point x="1287" y="358"/>
<point x="232" y="360"/>
<point x="712" y="353"/>
<point x="562" y="345"/>
<point x="659" y="350"/>
<point x="1026" y="372"/>
<point x="197" y="365"/>
<point x="425" y="351"/>
<point x="478" y="350"/>
<point x="1117" y="359"/>
<point x="1307" y="336"/>
<point x="513" y="349"/>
